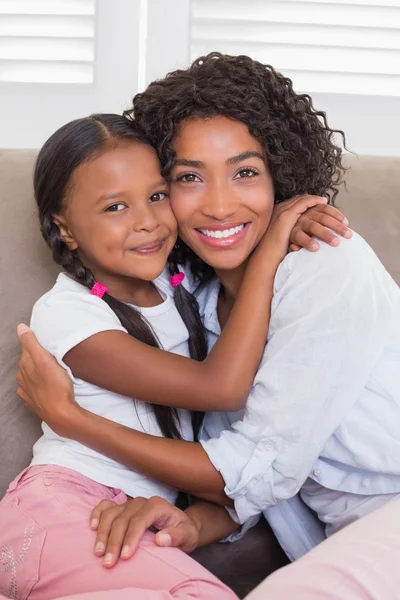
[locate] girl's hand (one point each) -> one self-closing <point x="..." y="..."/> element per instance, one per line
<point x="121" y="527"/>
<point x="285" y="219"/>
<point x="44" y="385"/>
<point x="315" y="222"/>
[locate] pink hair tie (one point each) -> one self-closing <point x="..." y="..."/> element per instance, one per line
<point x="177" y="279"/>
<point x="99" y="289"/>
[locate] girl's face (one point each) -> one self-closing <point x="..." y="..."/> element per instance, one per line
<point x="118" y="216"/>
<point x="221" y="192"/>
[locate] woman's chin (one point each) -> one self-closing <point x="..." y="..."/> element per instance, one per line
<point x="226" y="260"/>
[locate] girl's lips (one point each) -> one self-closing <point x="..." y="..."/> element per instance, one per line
<point x="228" y="242"/>
<point x="149" y="249"/>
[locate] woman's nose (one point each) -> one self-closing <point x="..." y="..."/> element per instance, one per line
<point x="220" y="203"/>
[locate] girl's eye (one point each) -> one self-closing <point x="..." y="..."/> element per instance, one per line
<point x="246" y="173"/>
<point x="158" y="196"/>
<point x="188" y="178"/>
<point x="115" y="207"/>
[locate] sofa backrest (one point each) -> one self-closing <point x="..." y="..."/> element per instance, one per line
<point x="371" y="202"/>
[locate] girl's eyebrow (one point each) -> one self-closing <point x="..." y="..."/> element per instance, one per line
<point x="233" y="160"/>
<point x="107" y="197"/>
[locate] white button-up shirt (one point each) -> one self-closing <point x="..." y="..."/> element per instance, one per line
<point x="325" y="404"/>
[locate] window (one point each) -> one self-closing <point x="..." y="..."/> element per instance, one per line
<point x="47" y="41"/>
<point x="345" y="46"/>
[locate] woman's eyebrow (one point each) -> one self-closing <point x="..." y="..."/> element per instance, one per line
<point x="185" y="162"/>
<point x="244" y="156"/>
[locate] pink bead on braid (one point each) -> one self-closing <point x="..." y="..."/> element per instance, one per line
<point x="99" y="289"/>
<point x="177" y="279"/>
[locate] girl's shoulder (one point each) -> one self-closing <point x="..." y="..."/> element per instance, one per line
<point x="68" y="314"/>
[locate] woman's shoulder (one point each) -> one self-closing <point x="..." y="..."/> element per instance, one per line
<point x="352" y="257"/>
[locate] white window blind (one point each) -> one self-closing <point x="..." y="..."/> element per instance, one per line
<point x="333" y="46"/>
<point x="47" y="41"/>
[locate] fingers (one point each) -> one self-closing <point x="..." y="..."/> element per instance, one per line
<point x="22" y="329"/>
<point x="30" y="343"/>
<point x="329" y="221"/>
<point x="300" y="239"/>
<point x="124" y="541"/>
<point x="301" y="203"/>
<point x="327" y="209"/>
<point x="98" y="511"/>
<point x="184" y="536"/>
<point x="104" y="527"/>
<point x="114" y="523"/>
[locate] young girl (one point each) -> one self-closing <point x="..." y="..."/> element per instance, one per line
<point x="324" y="412"/>
<point x="104" y="211"/>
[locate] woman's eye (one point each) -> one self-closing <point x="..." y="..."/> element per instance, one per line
<point x="115" y="207"/>
<point x="245" y="173"/>
<point x="158" y="196"/>
<point x="188" y="177"/>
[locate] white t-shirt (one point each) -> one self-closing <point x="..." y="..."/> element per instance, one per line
<point x="66" y="316"/>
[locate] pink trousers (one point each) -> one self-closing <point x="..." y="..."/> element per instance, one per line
<point x="361" y="562"/>
<point x="46" y="548"/>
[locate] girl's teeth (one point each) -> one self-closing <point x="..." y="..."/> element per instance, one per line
<point x="221" y="233"/>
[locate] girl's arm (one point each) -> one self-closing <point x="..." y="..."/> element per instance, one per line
<point x="47" y="390"/>
<point x="122" y="364"/>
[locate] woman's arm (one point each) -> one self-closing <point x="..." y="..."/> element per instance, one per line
<point x="120" y="363"/>
<point x="119" y="528"/>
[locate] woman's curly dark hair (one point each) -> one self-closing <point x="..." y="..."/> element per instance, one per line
<point x="300" y="147"/>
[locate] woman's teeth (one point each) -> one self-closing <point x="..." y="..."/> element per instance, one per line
<point x="221" y="233"/>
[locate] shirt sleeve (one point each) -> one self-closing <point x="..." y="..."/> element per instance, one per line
<point x="330" y="317"/>
<point x="64" y="318"/>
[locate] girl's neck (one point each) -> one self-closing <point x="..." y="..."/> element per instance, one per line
<point x="132" y="291"/>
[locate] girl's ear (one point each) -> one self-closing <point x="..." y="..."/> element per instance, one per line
<point x="65" y="233"/>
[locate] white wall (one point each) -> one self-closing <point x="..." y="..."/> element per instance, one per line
<point x="31" y="112"/>
<point x="140" y="40"/>
<point x="371" y="123"/>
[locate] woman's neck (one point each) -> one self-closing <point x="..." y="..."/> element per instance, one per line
<point x="231" y="280"/>
<point x="230" y="284"/>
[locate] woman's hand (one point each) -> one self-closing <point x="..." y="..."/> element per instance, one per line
<point x="121" y="527"/>
<point x="44" y="385"/>
<point x="315" y="222"/>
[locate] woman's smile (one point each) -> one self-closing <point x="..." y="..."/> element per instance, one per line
<point x="221" y="190"/>
<point x="223" y="236"/>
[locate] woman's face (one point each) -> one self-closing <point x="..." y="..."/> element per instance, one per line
<point x="221" y="191"/>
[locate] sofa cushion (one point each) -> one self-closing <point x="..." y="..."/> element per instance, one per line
<point x="26" y="272"/>
<point x="371" y="201"/>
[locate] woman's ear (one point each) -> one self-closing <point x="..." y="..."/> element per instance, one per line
<point x="65" y="232"/>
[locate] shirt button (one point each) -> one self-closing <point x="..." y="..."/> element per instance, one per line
<point x="269" y="446"/>
<point x="365" y="482"/>
<point x="317" y="472"/>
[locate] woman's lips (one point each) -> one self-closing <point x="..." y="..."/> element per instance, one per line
<point x="225" y="241"/>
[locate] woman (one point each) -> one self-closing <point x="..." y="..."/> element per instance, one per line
<point x="323" y="414"/>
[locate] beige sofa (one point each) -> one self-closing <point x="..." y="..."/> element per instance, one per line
<point x="372" y="204"/>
